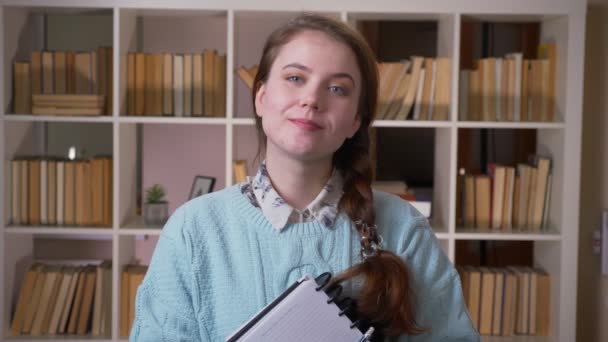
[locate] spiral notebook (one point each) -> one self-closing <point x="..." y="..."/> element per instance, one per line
<point x="307" y="311"/>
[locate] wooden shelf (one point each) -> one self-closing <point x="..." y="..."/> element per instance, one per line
<point x="511" y="125"/>
<point x="172" y="120"/>
<point x="487" y="234"/>
<point x="50" y="118"/>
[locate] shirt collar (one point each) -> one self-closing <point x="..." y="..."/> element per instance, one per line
<point x="280" y="214"/>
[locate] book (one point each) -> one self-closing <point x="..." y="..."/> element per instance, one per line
<point x="305" y="311"/>
<point x="25" y="297"/>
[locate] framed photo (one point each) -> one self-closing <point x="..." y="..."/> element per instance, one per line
<point x="201" y="185"/>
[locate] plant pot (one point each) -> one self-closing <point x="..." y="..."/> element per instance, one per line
<point x="156" y="213"/>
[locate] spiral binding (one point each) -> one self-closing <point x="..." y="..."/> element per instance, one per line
<point x="346" y="305"/>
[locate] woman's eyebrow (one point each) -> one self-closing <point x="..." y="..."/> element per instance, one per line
<point x="309" y="70"/>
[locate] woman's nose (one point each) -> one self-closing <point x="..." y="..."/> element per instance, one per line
<point x="312" y="98"/>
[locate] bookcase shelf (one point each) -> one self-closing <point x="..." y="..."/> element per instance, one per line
<point x="511" y="125"/>
<point x="238" y="29"/>
<point x="477" y="234"/>
<point x="59" y="231"/>
<point x="49" y="118"/>
<point x="173" y="120"/>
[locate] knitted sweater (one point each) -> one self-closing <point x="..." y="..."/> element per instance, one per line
<point x="218" y="261"/>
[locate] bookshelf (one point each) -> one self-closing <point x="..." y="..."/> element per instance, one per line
<point x="238" y="29"/>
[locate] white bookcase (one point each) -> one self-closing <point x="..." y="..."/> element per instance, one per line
<point x="238" y="28"/>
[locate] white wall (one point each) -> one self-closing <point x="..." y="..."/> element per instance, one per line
<point x="592" y="314"/>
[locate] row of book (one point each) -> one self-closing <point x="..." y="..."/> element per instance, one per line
<point x="176" y="84"/>
<point x="58" y="192"/>
<point x="507" y="301"/>
<point x="507" y="197"/>
<point x="65" y="299"/>
<point x="63" y="72"/>
<point x="510" y="88"/>
<point x="416" y="89"/>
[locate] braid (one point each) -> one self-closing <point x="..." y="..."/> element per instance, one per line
<point x="386" y="298"/>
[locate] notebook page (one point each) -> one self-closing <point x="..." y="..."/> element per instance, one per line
<point x="304" y="315"/>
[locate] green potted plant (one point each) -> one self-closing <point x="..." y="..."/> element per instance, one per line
<point x="156" y="208"/>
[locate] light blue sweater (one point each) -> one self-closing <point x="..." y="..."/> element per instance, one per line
<point x="218" y="261"/>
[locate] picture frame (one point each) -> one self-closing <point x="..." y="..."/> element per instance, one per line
<point x="201" y="185"/>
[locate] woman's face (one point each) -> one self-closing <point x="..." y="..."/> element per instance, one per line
<point x="309" y="103"/>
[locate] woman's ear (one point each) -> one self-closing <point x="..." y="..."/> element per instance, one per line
<point x="259" y="99"/>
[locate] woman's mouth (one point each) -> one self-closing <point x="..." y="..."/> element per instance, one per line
<point x="306" y="124"/>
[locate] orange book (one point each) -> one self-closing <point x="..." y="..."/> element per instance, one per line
<point x="36" y="71"/>
<point x="208" y="82"/>
<point x="220" y="85"/>
<point x="60" y="72"/>
<point x="22" y="96"/>
<point x="131" y="84"/>
<point x="48" y="82"/>
<point x="70" y="72"/>
<point x="25" y="296"/>
<point x="75" y="313"/>
<point x="87" y="301"/>
<point x="140" y="84"/>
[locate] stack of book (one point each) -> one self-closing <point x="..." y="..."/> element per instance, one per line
<point x="61" y="73"/>
<point x="65" y="299"/>
<point x="176" y="84"/>
<point x="510" y="88"/>
<point x="58" y="192"/>
<point x="507" y="301"/>
<point x="73" y="104"/>
<point x="416" y="89"/>
<point x="131" y="278"/>
<point x="507" y="197"/>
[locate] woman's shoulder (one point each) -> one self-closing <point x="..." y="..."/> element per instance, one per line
<point x="399" y="223"/>
<point x="388" y="205"/>
<point x="208" y="208"/>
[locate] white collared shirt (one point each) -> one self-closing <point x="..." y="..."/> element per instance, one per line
<point x="324" y="207"/>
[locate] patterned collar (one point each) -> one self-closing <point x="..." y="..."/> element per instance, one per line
<point x="324" y="207"/>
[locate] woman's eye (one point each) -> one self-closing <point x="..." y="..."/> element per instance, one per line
<point x="337" y="90"/>
<point x="294" y="78"/>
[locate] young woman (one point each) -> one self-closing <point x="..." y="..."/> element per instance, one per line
<point x="309" y="209"/>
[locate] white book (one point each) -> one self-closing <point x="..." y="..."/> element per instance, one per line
<point x="44" y="215"/>
<point x="498" y="89"/>
<point x="15" y="192"/>
<point x="418" y="101"/>
<point x="432" y="95"/>
<point x="60" y="191"/>
<point x="178" y="85"/>
<point x="463" y="95"/>
<point x="518" y="57"/>
<point x="300" y="314"/>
